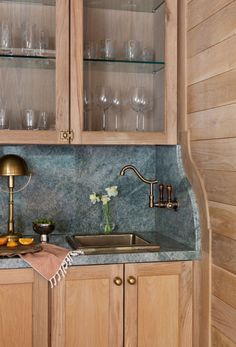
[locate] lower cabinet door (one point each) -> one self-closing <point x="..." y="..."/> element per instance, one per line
<point x="158" y="305"/>
<point x="87" y="308"/>
<point x="23" y="309"/>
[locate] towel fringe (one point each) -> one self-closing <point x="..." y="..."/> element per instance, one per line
<point x="68" y="261"/>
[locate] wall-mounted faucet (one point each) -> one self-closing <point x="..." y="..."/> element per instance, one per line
<point x="169" y="203"/>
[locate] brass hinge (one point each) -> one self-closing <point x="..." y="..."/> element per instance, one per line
<point x="67" y="135"/>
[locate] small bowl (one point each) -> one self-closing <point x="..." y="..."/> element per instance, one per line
<point x="44" y="230"/>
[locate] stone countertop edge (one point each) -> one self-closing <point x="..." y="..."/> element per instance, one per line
<point x="170" y="251"/>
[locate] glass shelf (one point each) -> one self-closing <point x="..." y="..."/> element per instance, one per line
<point x="37" y="2"/>
<point x="30" y="54"/>
<point x="27" y="62"/>
<point x="124" y="65"/>
<point x="126" y="5"/>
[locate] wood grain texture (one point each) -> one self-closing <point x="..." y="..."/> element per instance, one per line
<point x="212" y="62"/>
<point x="219" y="122"/>
<point x="216" y="154"/>
<point x="220" y="186"/>
<point x="223" y="219"/>
<point x="220" y="340"/>
<point x="223" y="252"/>
<point x="216" y="32"/>
<point x="147" y="304"/>
<point x="214" y="92"/>
<point x="200" y="10"/>
<point x="224" y="318"/>
<point x="227" y="291"/>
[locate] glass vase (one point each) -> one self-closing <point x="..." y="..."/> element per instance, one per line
<point x="107" y="226"/>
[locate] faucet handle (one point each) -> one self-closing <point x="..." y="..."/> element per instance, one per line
<point x="169" y="190"/>
<point x="161" y="192"/>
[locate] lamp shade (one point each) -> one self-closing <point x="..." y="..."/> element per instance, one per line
<point x="13" y="165"/>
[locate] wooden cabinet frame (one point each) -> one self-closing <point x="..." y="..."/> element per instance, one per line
<point x="111" y="138"/>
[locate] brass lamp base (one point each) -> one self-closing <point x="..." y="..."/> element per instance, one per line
<point x="12" y="236"/>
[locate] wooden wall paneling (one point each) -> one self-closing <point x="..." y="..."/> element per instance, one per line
<point x="217" y="91"/>
<point x="219" y="186"/>
<point x="219" y="122"/>
<point x="224" y="285"/>
<point x="224" y="318"/>
<point x="212" y="61"/>
<point x="223" y="219"/>
<point x="216" y="154"/>
<point x="211" y="31"/>
<point x="220" y="340"/>
<point x="200" y="10"/>
<point x="223" y="252"/>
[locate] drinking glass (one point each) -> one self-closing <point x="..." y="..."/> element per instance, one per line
<point x="28" y="37"/>
<point x="132" y="49"/>
<point x="108" y="49"/>
<point x="43" y="42"/>
<point x="6" y="37"/>
<point x="4" y="119"/>
<point x="88" y="102"/>
<point x="29" y="120"/>
<point x="43" y="120"/>
<point x="140" y="102"/>
<point x="90" y="50"/>
<point x="148" y="54"/>
<point x="117" y="103"/>
<point x="103" y="101"/>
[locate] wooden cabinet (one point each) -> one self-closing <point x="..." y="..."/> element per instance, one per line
<point x="47" y="75"/>
<point x="145" y="305"/>
<point x="23" y="309"/>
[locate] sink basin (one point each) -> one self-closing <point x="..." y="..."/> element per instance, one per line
<point x="112" y="243"/>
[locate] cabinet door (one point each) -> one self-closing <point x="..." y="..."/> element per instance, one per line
<point x="87" y="308"/>
<point x="23" y="309"/>
<point x="158" y="305"/>
<point x="34" y="71"/>
<point x="124" y="78"/>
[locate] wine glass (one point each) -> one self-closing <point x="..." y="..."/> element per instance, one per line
<point x="104" y="101"/>
<point x="140" y="102"/>
<point x="88" y="102"/>
<point x="117" y="103"/>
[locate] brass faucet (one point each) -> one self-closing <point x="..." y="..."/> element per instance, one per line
<point x="169" y="203"/>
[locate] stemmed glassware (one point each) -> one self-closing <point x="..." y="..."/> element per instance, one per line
<point x="88" y="103"/>
<point x="103" y="101"/>
<point x="140" y="102"/>
<point x="117" y="103"/>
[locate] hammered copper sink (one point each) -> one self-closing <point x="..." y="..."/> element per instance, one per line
<point x="111" y="243"/>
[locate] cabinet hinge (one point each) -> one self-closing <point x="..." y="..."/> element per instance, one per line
<point x="67" y="135"/>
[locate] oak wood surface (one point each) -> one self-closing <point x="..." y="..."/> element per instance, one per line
<point x="224" y="318"/>
<point x="225" y="292"/>
<point x="198" y="40"/>
<point x="223" y="252"/>
<point x="223" y="219"/>
<point x="220" y="340"/>
<point x="219" y="122"/>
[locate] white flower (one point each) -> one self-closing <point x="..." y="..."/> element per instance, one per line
<point x="94" y="198"/>
<point x="112" y="191"/>
<point x="105" y="199"/>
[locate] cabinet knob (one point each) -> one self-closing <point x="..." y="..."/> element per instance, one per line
<point x="131" y="280"/>
<point x="117" y="281"/>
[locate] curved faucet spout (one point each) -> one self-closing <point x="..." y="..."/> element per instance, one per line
<point x="133" y="168"/>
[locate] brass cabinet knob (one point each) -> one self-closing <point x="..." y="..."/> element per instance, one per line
<point x="117" y="281"/>
<point x="131" y="280"/>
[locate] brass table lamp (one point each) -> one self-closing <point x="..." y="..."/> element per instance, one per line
<point x="12" y="165"/>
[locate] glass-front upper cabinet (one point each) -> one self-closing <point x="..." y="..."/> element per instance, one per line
<point x="129" y="71"/>
<point x="34" y="71"/>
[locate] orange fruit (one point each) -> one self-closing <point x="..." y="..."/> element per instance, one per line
<point x="3" y="240"/>
<point x="11" y="244"/>
<point x="26" y="241"/>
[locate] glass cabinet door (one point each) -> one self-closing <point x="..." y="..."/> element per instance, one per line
<point x="34" y="70"/>
<point x="126" y="70"/>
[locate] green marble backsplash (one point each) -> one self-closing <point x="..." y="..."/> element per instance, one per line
<point x="64" y="177"/>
